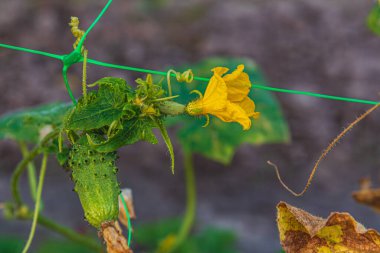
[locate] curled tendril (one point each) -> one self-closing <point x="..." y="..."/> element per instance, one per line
<point x="165" y="98"/>
<point x="207" y="120"/>
<point x="198" y="93"/>
<point x="324" y="153"/>
<point x="186" y="76"/>
<point x="77" y="33"/>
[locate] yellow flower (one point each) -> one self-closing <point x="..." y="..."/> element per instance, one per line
<point x="226" y="97"/>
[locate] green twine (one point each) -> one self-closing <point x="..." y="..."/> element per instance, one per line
<point x="128" y="218"/>
<point x="27" y="50"/>
<point x="162" y="73"/>
<point x="312" y="94"/>
<point x="80" y="44"/>
<point x="76" y="55"/>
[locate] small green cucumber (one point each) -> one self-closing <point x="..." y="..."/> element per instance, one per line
<point x="94" y="176"/>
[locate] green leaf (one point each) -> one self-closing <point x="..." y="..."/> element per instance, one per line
<point x="134" y="130"/>
<point x="11" y="244"/>
<point x="62" y="246"/>
<point x="26" y="125"/>
<point x="116" y="87"/>
<point x="219" y="140"/>
<point x="209" y="240"/>
<point x="63" y="156"/>
<point x="212" y="240"/>
<point x="168" y="142"/>
<point x="373" y="19"/>
<point x="101" y="107"/>
<point x="149" y="235"/>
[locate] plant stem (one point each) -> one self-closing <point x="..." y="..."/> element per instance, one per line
<point x="189" y="218"/>
<point x="69" y="233"/>
<point x="191" y="197"/>
<point x="17" y="173"/>
<point x="43" y="221"/>
<point x="84" y="75"/>
<point x="23" y="164"/>
<point x="37" y="205"/>
<point x="31" y="171"/>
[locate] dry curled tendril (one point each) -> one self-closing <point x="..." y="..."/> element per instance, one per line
<point x="324" y="153"/>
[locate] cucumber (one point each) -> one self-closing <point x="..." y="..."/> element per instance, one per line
<point x="94" y="176"/>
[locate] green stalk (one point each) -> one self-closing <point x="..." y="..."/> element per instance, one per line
<point x="189" y="218"/>
<point x="64" y="231"/>
<point x="43" y="221"/>
<point x="69" y="233"/>
<point x="15" y="179"/>
<point x="37" y="205"/>
<point x="32" y="178"/>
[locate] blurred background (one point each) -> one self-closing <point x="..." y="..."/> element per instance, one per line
<point x="320" y="46"/>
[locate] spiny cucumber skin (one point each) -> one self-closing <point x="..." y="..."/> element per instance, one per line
<point x="94" y="176"/>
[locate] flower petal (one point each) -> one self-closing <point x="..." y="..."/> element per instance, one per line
<point x="234" y="74"/>
<point x="237" y="90"/>
<point x="220" y="70"/>
<point x="249" y="107"/>
<point x="234" y="113"/>
<point x="215" y="97"/>
<point x="238" y="84"/>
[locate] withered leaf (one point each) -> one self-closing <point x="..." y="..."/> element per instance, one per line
<point x="367" y="195"/>
<point x="301" y="232"/>
<point x="127" y="195"/>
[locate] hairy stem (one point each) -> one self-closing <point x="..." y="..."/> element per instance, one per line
<point x="189" y="218"/>
<point x="22" y="166"/>
<point x="69" y="233"/>
<point x="84" y="75"/>
<point x="191" y="198"/>
<point x="37" y="205"/>
<point x="31" y="171"/>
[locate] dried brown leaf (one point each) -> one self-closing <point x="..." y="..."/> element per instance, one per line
<point x="367" y="195"/>
<point x="127" y="195"/>
<point x="301" y="232"/>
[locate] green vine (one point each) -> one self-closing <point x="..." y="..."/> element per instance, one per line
<point x="69" y="233"/>
<point x="191" y="202"/>
<point x="23" y="165"/>
<point x="37" y="204"/>
<point x="31" y="171"/>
